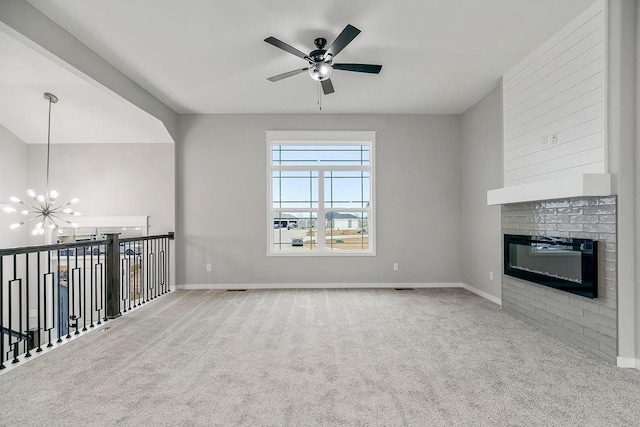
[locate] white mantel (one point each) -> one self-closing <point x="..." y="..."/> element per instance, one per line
<point x="588" y="184"/>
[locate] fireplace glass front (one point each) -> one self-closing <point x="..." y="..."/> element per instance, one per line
<point x="567" y="264"/>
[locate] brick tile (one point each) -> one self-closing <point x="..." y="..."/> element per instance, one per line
<point x="599" y="210"/>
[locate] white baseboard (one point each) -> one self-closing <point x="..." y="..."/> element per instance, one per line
<point x="483" y="294"/>
<point x="319" y="285"/>
<point x="478" y="292"/>
<point x="628" y="362"/>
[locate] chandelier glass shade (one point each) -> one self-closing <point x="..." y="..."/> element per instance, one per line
<point x="320" y="71"/>
<point x="43" y="210"/>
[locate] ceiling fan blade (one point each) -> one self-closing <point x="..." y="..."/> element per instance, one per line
<point x="346" y="36"/>
<point x="287" y="74"/>
<point x="360" y="68"/>
<point x="282" y="45"/>
<point x="327" y="86"/>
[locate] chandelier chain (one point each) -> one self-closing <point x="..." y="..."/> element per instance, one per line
<point x="48" y="143"/>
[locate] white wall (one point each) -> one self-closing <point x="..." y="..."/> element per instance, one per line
<point x="559" y="89"/>
<point x="481" y="171"/>
<point x="111" y="179"/>
<point x="13" y="182"/>
<point x="221" y="187"/>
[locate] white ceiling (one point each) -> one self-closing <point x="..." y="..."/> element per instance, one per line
<point x="208" y="56"/>
<point x="86" y="112"/>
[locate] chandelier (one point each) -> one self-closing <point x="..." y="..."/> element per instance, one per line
<point x="43" y="209"/>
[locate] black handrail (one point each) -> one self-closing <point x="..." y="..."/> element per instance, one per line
<point x="13" y="333"/>
<point x="71" y="245"/>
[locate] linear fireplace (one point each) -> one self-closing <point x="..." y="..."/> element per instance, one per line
<point x="567" y="264"/>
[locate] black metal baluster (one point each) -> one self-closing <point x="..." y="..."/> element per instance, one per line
<point x="152" y="273"/>
<point x="166" y="263"/>
<point x="59" y="303"/>
<point x="155" y="267"/>
<point x="165" y="260"/>
<point x="123" y="282"/>
<point x="136" y="279"/>
<point x="15" y="278"/>
<point x="92" y="303"/>
<point x="69" y="276"/>
<point x="49" y="344"/>
<point x="72" y="293"/>
<point x="169" y="261"/>
<point x="26" y="330"/>
<point x="103" y="274"/>
<point x="98" y="290"/>
<point x="129" y="274"/>
<point x="2" y="313"/>
<point x="74" y="288"/>
<point x="161" y="266"/>
<point x="84" y="289"/>
<point x="39" y="349"/>
<point x="144" y="269"/>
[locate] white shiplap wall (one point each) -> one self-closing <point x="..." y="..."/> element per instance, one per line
<point x="559" y="89"/>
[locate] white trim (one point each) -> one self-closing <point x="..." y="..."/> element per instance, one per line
<point x="483" y="294"/>
<point x="112" y="221"/>
<point x="315" y="136"/>
<point x="334" y="168"/>
<point x="283" y="137"/>
<point x="628" y="362"/>
<point x="469" y="288"/>
<point x="318" y="285"/>
<point x="324" y="253"/>
<point x="588" y="184"/>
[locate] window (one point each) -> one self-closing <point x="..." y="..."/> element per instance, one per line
<point x="321" y="193"/>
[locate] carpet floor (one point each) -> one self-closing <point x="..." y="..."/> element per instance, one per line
<point x="356" y="357"/>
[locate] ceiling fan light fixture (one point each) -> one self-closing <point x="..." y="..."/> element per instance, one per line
<point x="320" y="71"/>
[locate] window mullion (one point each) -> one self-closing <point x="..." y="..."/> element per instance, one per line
<point x="321" y="222"/>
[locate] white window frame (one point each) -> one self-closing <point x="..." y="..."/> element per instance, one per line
<point x="320" y="138"/>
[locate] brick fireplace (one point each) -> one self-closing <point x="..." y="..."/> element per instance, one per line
<point x="589" y="323"/>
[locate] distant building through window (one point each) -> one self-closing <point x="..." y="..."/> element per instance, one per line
<point x="321" y="193"/>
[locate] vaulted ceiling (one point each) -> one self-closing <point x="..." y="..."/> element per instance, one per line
<point x="208" y="56"/>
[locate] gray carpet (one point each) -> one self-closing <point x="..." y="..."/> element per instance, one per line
<point x="319" y="357"/>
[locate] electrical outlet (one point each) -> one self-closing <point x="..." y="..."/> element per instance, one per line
<point x="208" y="267"/>
<point x="490" y="275"/>
<point x="554" y="138"/>
<point x="395" y="266"/>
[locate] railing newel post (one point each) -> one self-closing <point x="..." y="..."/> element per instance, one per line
<point x="113" y="276"/>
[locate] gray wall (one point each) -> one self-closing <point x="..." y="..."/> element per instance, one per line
<point x="222" y="206"/>
<point x="622" y="140"/>
<point x="13" y="182"/>
<point x="481" y="171"/>
<point x="111" y="179"/>
<point x="637" y="185"/>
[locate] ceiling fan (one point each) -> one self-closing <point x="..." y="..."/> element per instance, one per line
<point x="321" y="60"/>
